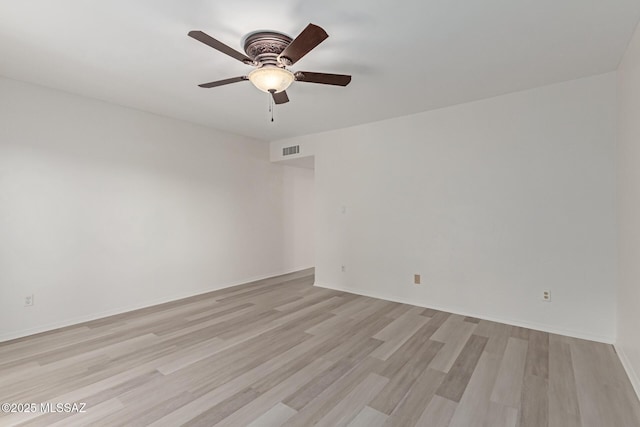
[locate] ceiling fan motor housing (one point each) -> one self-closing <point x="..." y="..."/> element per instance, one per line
<point x="265" y="46"/>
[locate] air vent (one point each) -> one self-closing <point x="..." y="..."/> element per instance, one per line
<point x="294" y="149"/>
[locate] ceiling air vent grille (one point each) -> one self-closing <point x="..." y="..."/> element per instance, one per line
<point x="294" y="149"/>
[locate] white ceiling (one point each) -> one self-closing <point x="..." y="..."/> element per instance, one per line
<point x="405" y="56"/>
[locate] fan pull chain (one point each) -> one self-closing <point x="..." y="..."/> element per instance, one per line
<point x="271" y="106"/>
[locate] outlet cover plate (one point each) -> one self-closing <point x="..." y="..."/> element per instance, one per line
<point x="28" y="301"/>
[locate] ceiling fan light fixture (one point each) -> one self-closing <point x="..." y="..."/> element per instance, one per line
<point x="271" y="78"/>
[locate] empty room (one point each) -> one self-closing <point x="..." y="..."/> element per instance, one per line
<point x="296" y="213"/>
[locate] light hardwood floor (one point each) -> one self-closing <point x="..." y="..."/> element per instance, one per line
<point x="282" y="352"/>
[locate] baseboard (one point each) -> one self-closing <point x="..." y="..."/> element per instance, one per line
<point x="82" y="319"/>
<point x="456" y="310"/>
<point x="628" y="367"/>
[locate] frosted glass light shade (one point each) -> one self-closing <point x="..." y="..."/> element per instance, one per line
<point x="271" y="78"/>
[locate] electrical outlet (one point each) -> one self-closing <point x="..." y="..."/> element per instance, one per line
<point x="416" y="279"/>
<point x="546" y="296"/>
<point x="28" y="301"/>
<point x="343" y="268"/>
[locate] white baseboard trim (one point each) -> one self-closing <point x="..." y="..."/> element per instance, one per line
<point x="628" y="367"/>
<point x="82" y="319"/>
<point x="530" y="325"/>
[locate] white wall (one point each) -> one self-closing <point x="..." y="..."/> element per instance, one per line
<point x="298" y="230"/>
<point x="628" y="342"/>
<point x="492" y="202"/>
<point x="104" y="209"/>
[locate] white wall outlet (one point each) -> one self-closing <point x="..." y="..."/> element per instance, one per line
<point x="28" y="300"/>
<point x="343" y="268"/>
<point x="546" y="296"/>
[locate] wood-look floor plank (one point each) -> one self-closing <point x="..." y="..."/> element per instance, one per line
<point x="603" y="394"/>
<point x="352" y="307"/>
<point x="534" y="407"/>
<point x="98" y="398"/>
<point x="520" y="333"/>
<point x="446" y="332"/>
<point x="497" y="333"/>
<point x="401" y="309"/>
<point x="409" y="348"/>
<point x="401" y="384"/>
<point x="508" y="387"/>
<point x="230" y="363"/>
<point x="280" y="351"/>
<point x="217" y="413"/>
<point x="375" y="308"/>
<point x="90" y="417"/>
<point x="354" y="349"/>
<point x="196" y="353"/>
<point x="75" y="395"/>
<point x="454" y="333"/>
<point x="537" y="362"/>
<point x="410" y="410"/>
<point x="429" y="312"/>
<point x="395" y="342"/>
<point x="324" y="402"/>
<point x="437" y="414"/>
<point x="368" y="417"/>
<point x="156" y="406"/>
<point x="458" y="377"/>
<point x="564" y="410"/>
<point x="266" y="399"/>
<point x="403" y="326"/>
<point x="349" y="407"/>
<point x="201" y="326"/>
<point x="317" y="385"/>
<point x="474" y="406"/>
<point x="274" y="417"/>
<point x="218" y="394"/>
<point x="500" y="415"/>
<point x="332" y="324"/>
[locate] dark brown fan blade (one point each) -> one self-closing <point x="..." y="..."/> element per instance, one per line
<point x="323" y="78"/>
<point x="224" y="82"/>
<point x="219" y="46"/>
<point x="309" y="38"/>
<point x="280" y="97"/>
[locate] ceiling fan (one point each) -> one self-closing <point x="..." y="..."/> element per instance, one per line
<point x="271" y="53"/>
